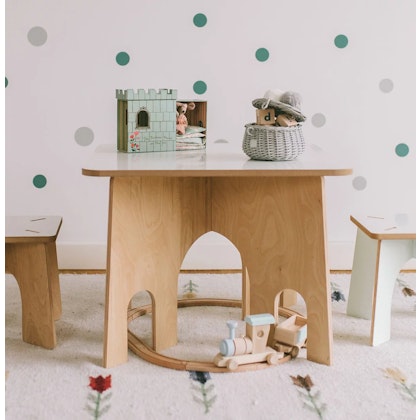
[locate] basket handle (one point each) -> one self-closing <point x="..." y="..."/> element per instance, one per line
<point x="250" y="130"/>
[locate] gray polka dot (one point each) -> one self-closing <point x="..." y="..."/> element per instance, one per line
<point x="401" y="219"/>
<point x="84" y="136"/>
<point x="318" y="120"/>
<point x="37" y="36"/>
<point x="386" y="85"/>
<point x="221" y="141"/>
<point x="359" y="183"/>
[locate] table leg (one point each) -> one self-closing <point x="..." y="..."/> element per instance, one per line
<point x="153" y="221"/>
<point x="278" y="226"/>
<point x="29" y="265"/>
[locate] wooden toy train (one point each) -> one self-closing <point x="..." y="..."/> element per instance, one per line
<point x="289" y="336"/>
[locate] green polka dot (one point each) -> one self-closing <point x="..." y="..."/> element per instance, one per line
<point x="200" y="20"/>
<point x="262" y="54"/>
<point x="402" y="150"/>
<point x="122" y="58"/>
<point x="39" y="181"/>
<point x="199" y="87"/>
<point x="341" y="41"/>
<point x="6" y="82"/>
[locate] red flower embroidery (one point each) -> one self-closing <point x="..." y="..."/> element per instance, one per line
<point x="100" y="383"/>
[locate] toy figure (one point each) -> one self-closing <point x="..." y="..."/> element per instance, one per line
<point x="181" y="119"/>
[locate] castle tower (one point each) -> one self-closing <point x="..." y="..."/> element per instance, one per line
<point x="146" y="120"/>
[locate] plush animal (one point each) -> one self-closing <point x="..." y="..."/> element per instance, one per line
<point x="181" y="118"/>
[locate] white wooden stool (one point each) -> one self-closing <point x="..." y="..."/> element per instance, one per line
<point x="383" y="246"/>
<point x="31" y="257"/>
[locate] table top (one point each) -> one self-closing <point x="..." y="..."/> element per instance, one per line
<point x="23" y="229"/>
<point x="380" y="226"/>
<point x="106" y="161"/>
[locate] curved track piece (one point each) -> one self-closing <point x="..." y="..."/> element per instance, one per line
<point x="145" y="352"/>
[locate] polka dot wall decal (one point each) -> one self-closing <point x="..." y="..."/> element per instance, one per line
<point x="200" y="20"/>
<point x="359" y="183"/>
<point x="84" y="136"/>
<point x="37" y="36"/>
<point x="6" y="81"/>
<point x="262" y="54"/>
<point x="386" y="85"/>
<point x="341" y="41"/>
<point x="39" y="181"/>
<point x="200" y="87"/>
<point x="122" y="58"/>
<point x="402" y="150"/>
<point x="318" y="120"/>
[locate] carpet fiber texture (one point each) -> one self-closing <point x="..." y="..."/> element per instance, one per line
<point x="69" y="382"/>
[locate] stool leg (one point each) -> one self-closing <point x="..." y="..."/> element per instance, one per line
<point x="54" y="280"/>
<point x="376" y="265"/>
<point x="363" y="276"/>
<point x="29" y="265"/>
<point x="393" y="255"/>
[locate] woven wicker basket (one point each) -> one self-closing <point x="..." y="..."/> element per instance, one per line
<point x="263" y="142"/>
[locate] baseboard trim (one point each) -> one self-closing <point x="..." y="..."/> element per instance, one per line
<point x="204" y="271"/>
<point x="209" y="255"/>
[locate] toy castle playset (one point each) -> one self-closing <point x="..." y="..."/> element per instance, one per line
<point x="154" y="121"/>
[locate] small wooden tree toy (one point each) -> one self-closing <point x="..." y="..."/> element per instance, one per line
<point x="190" y="290"/>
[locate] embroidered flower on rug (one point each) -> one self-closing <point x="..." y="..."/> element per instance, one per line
<point x="203" y="389"/>
<point x="311" y="400"/>
<point x="190" y="290"/>
<point x="336" y="294"/>
<point x="406" y="291"/>
<point x="99" y="386"/>
<point x="406" y="390"/>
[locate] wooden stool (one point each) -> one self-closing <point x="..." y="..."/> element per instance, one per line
<point x="31" y="257"/>
<point x="383" y="246"/>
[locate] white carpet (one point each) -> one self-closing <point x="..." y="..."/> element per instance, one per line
<point x="54" y="384"/>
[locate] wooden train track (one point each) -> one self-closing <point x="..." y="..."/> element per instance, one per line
<point x="138" y="347"/>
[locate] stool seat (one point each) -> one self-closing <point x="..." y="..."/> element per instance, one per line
<point x="383" y="245"/>
<point x="399" y="226"/>
<point x="31" y="257"/>
<point x="27" y="229"/>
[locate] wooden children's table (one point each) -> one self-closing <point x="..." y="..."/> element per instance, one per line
<point x="273" y="212"/>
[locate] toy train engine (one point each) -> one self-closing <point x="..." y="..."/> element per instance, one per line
<point x="255" y="341"/>
<point x="252" y="348"/>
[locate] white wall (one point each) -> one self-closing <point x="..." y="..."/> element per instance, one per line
<point x="62" y="72"/>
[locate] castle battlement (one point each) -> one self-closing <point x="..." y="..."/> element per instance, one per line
<point x="142" y="94"/>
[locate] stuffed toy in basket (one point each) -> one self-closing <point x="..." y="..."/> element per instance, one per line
<point x="277" y="135"/>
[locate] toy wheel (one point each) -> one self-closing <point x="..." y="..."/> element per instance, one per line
<point x="294" y="352"/>
<point x="273" y="359"/>
<point x="232" y="364"/>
